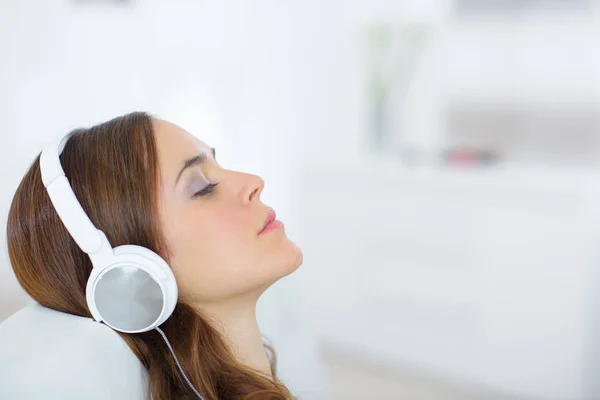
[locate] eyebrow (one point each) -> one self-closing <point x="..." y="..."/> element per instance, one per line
<point x="196" y="160"/>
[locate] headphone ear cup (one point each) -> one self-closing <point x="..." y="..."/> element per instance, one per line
<point x="135" y="292"/>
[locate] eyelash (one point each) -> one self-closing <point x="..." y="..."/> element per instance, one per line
<point x="209" y="189"/>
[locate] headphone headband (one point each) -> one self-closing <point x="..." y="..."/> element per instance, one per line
<point x="86" y="235"/>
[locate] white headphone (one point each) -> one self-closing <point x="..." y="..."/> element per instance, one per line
<point x="131" y="288"/>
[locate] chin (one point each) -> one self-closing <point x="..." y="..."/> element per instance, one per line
<point x="295" y="257"/>
<point x="299" y="256"/>
<point x="286" y="261"/>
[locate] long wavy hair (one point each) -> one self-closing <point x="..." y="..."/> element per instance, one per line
<point x="114" y="171"/>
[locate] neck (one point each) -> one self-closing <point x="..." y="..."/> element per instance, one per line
<point x="236" y="321"/>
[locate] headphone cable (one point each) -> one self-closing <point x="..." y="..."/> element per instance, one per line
<point x="179" y="365"/>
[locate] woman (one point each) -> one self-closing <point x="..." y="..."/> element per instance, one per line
<point x="147" y="182"/>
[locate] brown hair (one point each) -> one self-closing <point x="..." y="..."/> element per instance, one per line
<point x="114" y="172"/>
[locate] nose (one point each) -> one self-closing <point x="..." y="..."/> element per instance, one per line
<point x="252" y="188"/>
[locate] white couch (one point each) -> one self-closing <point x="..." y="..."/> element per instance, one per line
<point x="46" y="354"/>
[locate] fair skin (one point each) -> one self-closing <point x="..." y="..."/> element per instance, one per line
<point x="220" y="256"/>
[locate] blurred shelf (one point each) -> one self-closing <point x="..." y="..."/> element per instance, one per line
<point x="483" y="277"/>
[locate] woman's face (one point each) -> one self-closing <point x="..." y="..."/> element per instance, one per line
<point x="215" y="233"/>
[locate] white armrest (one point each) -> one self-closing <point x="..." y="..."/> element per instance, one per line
<point x="46" y="354"/>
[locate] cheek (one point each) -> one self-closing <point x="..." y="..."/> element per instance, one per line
<point x="210" y="221"/>
<point x="209" y="237"/>
<point x="225" y="221"/>
<point x="215" y="249"/>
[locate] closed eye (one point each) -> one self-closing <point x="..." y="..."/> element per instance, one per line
<point x="209" y="189"/>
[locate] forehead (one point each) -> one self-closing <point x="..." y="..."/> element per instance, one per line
<point x="174" y="146"/>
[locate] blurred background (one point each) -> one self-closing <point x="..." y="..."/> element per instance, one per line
<point x="438" y="161"/>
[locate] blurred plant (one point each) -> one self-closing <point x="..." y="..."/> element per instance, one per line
<point x="392" y="54"/>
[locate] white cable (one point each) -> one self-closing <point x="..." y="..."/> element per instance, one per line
<point x="179" y="365"/>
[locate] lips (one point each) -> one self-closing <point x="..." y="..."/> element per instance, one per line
<point x="271" y="223"/>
